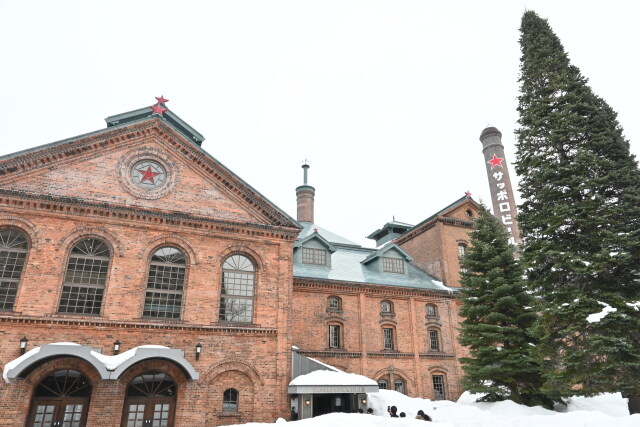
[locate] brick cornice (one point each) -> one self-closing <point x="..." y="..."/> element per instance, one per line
<point x="71" y="206"/>
<point x="95" y="323"/>
<point x="319" y="285"/>
<point x="118" y="137"/>
<point x="424" y="227"/>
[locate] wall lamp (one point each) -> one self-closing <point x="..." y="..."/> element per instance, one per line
<point x="364" y="401"/>
<point x="116" y="347"/>
<point x="307" y="402"/>
<point x="198" y="351"/>
<point x="23" y="345"/>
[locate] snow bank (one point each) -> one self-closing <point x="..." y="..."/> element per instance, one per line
<point x="332" y="378"/>
<point x="600" y="411"/>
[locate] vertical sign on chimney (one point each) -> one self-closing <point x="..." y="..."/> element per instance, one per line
<point x="504" y="206"/>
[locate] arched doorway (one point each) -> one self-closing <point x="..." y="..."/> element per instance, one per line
<point x="61" y="400"/>
<point x="150" y="401"/>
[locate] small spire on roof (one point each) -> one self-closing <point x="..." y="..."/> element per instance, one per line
<point x="305" y="166"/>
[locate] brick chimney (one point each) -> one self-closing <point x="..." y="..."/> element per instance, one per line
<point x="305" y="194"/>
<point x="504" y="204"/>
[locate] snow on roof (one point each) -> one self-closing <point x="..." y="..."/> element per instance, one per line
<point x="15" y="362"/>
<point x="111" y="363"/>
<point x="317" y="378"/>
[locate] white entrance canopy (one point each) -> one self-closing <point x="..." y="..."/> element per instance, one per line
<point x="331" y="382"/>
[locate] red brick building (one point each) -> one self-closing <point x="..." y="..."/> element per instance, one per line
<point x="142" y="281"/>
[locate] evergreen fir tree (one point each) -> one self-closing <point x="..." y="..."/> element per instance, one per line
<point x="498" y="317"/>
<point x="580" y="221"/>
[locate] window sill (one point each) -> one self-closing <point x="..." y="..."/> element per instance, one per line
<point x="387" y="314"/>
<point x="229" y="414"/>
<point x="74" y="315"/>
<point x="335" y="311"/>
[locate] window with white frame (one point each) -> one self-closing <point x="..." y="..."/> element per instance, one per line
<point x="462" y="249"/>
<point x="432" y="310"/>
<point x="398" y="385"/>
<point x="386" y="307"/>
<point x="438" y="387"/>
<point x="434" y="342"/>
<point x="334" y="336"/>
<point x="236" y="296"/>
<point x="388" y="338"/>
<point x="13" y="257"/>
<point x="165" y="284"/>
<point x="382" y="384"/>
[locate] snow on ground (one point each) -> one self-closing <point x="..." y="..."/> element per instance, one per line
<point x="600" y="411"/>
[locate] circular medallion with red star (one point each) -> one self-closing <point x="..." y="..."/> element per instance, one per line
<point x="148" y="174"/>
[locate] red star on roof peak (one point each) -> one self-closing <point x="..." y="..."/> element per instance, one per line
<point x="315" y="230"/>
<point x="148" y="175"/>
<point x="158" y="109"/>
<point x="467" y="193"/>
<point x="496" y="161"/>
<point x="162" y="99"/>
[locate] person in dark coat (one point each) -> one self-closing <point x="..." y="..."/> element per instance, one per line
<point x="370" y="411"/>
<point x="422" y="416"/>
<point x="393" y="412"/>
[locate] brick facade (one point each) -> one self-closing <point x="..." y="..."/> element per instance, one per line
<point x="60" y="194"/>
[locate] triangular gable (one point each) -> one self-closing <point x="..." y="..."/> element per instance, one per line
<point x="317" y="237"/>
<point x="19" y="166"/>
<point x="388" y="247"/>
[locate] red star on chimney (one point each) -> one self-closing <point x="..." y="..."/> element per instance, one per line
<point x="162" y="100"/>
<point x="496" y="161"/>
<point x="158" y="109"/>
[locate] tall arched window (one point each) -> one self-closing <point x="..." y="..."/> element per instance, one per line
<point x="230" y="400"/>
<point x="62" y="398"/>
<point x="238" y="283"/>
<point x="13" y="256"/>
<point x="151" y="400"/>
<point x="165" y="284"/>
<point x="85" y="278"/>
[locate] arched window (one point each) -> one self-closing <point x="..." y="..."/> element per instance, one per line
<point x="230" y="400"/>
<point x="383" y="384"/>
<point x="85" y="278"/>
<point x="165" y="284"/>
<point x="439" y="391"/>
<point x="63" y="396"/>
<point x="13" y="256"/>
<point x="386" y="307"/>
<point x="462" y="249"/>
<point x="238" y="282"/>
<point x="151" y="400"/>
<point x="398" y="385"/>
<point x="432" y="310"/>
<point x="334" y="303"/>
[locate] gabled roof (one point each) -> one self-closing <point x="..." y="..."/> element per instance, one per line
<point x="383" y="250"/>
<point x="167" y="124"/>
<point x="315" y="236"/>
<point x="390" y="225"/>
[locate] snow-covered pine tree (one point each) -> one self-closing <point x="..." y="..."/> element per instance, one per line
<point x="580" y="222"/>
<point x="498" y="317"/>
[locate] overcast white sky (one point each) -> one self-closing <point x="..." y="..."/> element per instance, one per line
<point x="386" y="99"/>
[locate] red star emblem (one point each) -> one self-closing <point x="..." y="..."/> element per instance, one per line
<point x="148" y="175"/>
<point x="158" y="109"/>
<point x="315" y="230"/>
<point x="162" y="100"/>
<point x="496" y="161"/>
<point x="467" y="193"/>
